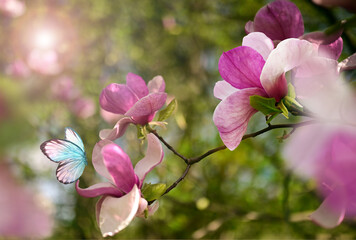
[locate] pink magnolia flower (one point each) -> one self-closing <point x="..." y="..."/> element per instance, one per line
<point x="18" y="69"/>
<point x="330" y="159"/>
<point x="22" y="217"/>
<point x="281" y="19"/>
<point x="257" y="69"/>
<point x="83" y="107"/>
<point x="63" y="89"/>
<point x="121" y="197"/>
<point x="45" y="62"/>
<point x="13" y="8"/>
<point x="135" y="100"/>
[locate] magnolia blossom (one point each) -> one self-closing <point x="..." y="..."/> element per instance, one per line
<point x="136" y="101"/>
<point x="22" y="215"/>
<point x="45" y="62"/>
<point x="281" y="19"/>
<point x="83" y="107"/>
<point x="257" y="69"/>
<point x="18" y="69"/>
<point x="13" y="8"/>
<point x="329" y="159"/>
<point x="63" y="89"/>
<point x="325" y="151"/>
<point x="121" y="197"/>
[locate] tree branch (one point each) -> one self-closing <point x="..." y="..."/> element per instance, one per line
<point x="191" y="161"/>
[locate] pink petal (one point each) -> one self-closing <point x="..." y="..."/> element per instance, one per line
<point x="98" y="161"/>
<point x="157" y="84"/>
<point x="232" y="114"/>
<point x="153" y="208"/>
<point x="321" y="38"/>
<point x="117" y="213"/>
<point x="331" y="212"/>
<point x="142" y="207"/>
<point x="289" y="54"/>
<point x="98" y="208"/>
<point x="98" y="190"/>
<point x="241" y="67"/>
<point x="259" y="42"/>
<point x="137" y="85"/>
<point x="348" y="64"/>
<point x="332" y="50"/>
<point x="143" y="111"/>
<point x="223" y="89"/>
<point x="153" y="157"/>
<point x="249" y="27"/>
<point x="117" y="98"/>
<point x="118" y="130"/>
<point x="119" y="166"/>
<point x="279" y="20"/>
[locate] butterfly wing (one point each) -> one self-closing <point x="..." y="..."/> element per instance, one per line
<point x="71" y="158"/>
<point x="70" y="170"/>
<point x="73" y="137"/>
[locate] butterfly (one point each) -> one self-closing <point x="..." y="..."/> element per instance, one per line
<point x="70" y="155"/>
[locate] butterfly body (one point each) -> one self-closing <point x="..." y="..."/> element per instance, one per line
<point x="70" y="155"/>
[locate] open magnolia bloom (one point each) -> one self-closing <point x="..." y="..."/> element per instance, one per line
<point x="121" y="199"/>
<point x="281" y="19"/>
<point x="256" y="68"/>
<point x="136" y="101"/>
<point x="329" y="159"/>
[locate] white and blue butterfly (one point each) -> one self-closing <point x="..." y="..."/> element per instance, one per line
<point x="70" y="155"/>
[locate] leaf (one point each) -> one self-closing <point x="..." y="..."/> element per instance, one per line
<point x="167" y="112"/>
<point x="291" y="91"/>
<point x="265" y="105"/>
<point x="153" y="191"/>
<point x="283" y="108"/>
<point x="292" y="105"/>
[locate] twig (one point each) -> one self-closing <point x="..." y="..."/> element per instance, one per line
<point x="191" y="161"/>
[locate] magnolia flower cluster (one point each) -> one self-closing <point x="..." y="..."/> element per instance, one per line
<point x="278" y="65"/>
<point x="273" y="55"/>
<point x="121" y="197"/>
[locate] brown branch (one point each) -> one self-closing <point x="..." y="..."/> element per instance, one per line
<point x="191" y="161"/>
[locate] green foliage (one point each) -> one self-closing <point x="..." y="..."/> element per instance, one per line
<point x="265" y="105"/>
<point x="153" y="191"/>
<point x="168" y="111"/>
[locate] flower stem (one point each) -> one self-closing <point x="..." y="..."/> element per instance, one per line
<point x="193" y="160"/>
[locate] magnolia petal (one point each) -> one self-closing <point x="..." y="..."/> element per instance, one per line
<point x="117" y="98"/>
<point x="249" y="27"/>
<point x="137" y="85"/>
<point x="153" y="208"/>
<point x="119" y="166"/>
<point x="143" y="111"/>
<point x="279" y="20"/>
<point x="321" y="38"/>
<point x="259" y="42"/>
<point x="142" y="207"/>
<point x="98" y="208"/>
<point x="289" y="54"/>
<point x="332" y="50"/>
<point x="98" y="190"/>
<point x="117" y="213"/>
<point x="348" y="64"/>
<point x="241" y="67"/>
<point x="98" y="161"/>
<point x="232" y="114"/>
<point x="223" y="89"/>
<point x="331" y="212"/>
<point x="118" y="130"/>
<point x="153" y="157"/>
<point x="157" y="84"/>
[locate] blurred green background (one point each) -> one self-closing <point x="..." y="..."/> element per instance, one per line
<point x="246" y="193"/>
